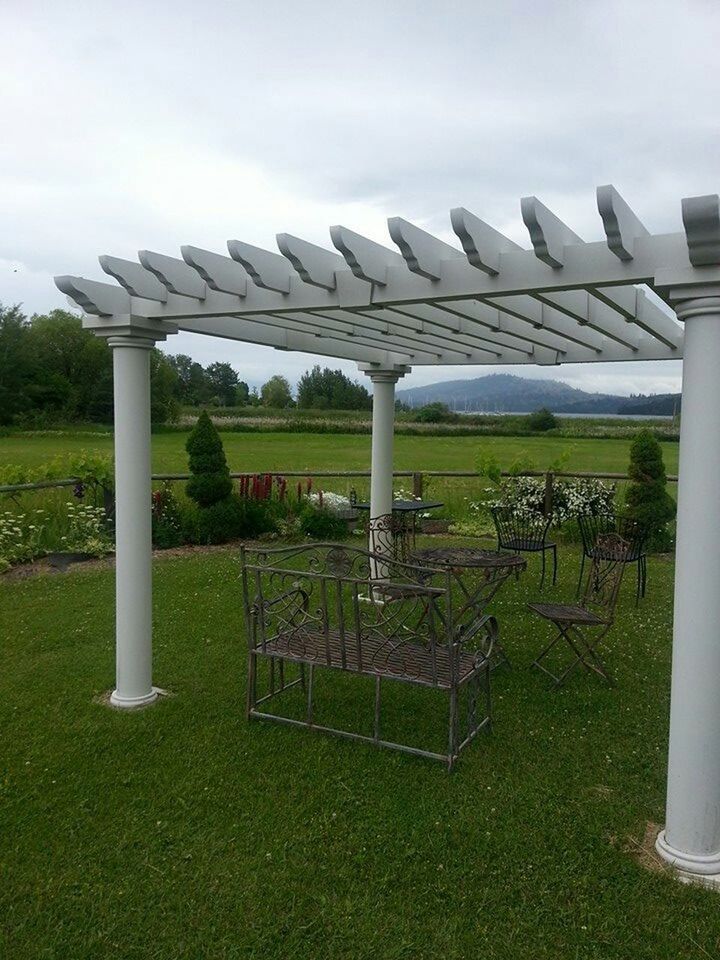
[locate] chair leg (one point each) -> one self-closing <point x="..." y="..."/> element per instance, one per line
<point x="542" y="574"/>
<point x="554" y="552"/>
<point x="638" y="588"/>
<point x="580" y="578"/>
<point x="644" y="574"/>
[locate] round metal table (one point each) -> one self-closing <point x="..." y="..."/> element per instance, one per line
<point x="479" y="574"/>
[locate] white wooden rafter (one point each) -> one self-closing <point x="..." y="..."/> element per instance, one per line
<point x="488" y="301"/>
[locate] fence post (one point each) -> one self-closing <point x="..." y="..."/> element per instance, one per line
<point x="549" y="480"/>
<point x="417" y="482"/>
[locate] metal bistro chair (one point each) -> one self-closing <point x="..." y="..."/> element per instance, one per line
<point x="594" y="527"/>
<point x="525" y="534"/>
<point x="390" y="536"/>
<point x="596" y="611"/>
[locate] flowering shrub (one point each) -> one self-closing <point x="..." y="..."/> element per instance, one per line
<point x="571" y="498"/>
<point x="20" y="537"/>
<point x="87" y="530"/>
<point x="167" y="526"/>
<point x="335" y="502"/>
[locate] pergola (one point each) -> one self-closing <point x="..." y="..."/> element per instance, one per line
<point x="489" y="302"/>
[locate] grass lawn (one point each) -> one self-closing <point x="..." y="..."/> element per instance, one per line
<point x="183" y="832"/>
<point x="288" y="451"/>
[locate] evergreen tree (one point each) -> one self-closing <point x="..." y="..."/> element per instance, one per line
<point x="210" y="482"/>
<point x="647" y="500"/>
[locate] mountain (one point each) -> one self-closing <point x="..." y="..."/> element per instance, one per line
<point x="506" y="393"/>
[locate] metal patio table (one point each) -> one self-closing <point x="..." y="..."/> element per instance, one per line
<point x="479" y="574"/>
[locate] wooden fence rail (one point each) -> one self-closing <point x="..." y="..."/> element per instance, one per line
<point x="416" y="475"/>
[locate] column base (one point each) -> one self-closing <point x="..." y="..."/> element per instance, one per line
<point x="132" y="703"/>
<point x="688" y="867"/>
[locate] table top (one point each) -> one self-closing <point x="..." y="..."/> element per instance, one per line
<point x="468" y="557"/>
<point x="400" y="506"/>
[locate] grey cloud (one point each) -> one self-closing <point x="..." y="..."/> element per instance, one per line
<point x="153" y="125"/>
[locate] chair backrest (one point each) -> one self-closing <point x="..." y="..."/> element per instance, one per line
<point x="594" y="526"/>
<point x="515" y="528"/>
<point x="383" y="534"/>
<point x="602" y="587"/>
<point x="329" y="590"/>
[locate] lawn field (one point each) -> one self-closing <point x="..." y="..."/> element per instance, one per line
<point x="290" y="451"/>
<point x="275" y="452"/>
<point x="182" y="831"/>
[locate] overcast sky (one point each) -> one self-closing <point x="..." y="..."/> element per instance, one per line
<point x="152" y="124"/>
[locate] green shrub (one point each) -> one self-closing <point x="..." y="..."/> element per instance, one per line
<point x="435" y="413"/>
<point x="220" y="522"/>
<point x="320" y="523"/>
<point x="646" y="498"/>
<point x="542" y="420"/>
<point x="258" y="517"/>
<point x="210" y="482"/>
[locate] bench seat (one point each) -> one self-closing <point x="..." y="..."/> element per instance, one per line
<point x="373" y="656"/>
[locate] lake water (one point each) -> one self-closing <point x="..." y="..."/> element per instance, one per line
<point x="569" y="416"/>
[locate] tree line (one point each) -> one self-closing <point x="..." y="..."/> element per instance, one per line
<point x="53" y="370"/>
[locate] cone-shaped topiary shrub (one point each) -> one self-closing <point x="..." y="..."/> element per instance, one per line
<point x="210" y="481"/>
<point x="646" y="499"/>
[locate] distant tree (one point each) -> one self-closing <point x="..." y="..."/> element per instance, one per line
<point x="646" y="499"/>
<point x="276" y="392"/>
<point x="541" y="420"/>
<point x="71" y="363"/>
<point x="210" y="482"/>
<point x="242" y="394"/>
<point x="326" y="389"/>
<point x="222" y="382"/>
<point x="17" y="364"/>
<point x="182" y="365"/>
<point x="163" y="388"/>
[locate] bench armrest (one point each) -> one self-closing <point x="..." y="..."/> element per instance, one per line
<point x="485" y="626"/>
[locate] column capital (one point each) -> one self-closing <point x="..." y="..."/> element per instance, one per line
<point x="380" y="374"/>
<point x="134" y="341"/>
<point x="120" y="329"/>
<point x="695" y="300"/>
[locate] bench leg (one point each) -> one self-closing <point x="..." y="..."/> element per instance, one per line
<point x="452" y="728"/>
<point x="376" y="728"/>
<point x="251" y="684"/>
<point x="488" y="703"/>
<point x="310" y="683"/>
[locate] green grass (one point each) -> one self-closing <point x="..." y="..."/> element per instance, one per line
<point x="252" y="452"/>
<point x="184" y="832"/>
<point x="277" y="451"/>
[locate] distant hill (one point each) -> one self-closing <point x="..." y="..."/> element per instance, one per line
<point x="506" y="393"/>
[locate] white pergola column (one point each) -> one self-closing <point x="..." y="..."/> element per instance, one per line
<point x="383" y="431"/>
<point x="133" y="522"/>
<point x="691" y="838"/>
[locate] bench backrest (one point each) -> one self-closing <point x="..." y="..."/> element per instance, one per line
<point x="328" y="590"/>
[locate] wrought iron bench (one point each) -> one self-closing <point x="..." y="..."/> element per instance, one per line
<point x="345" y="609"/>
